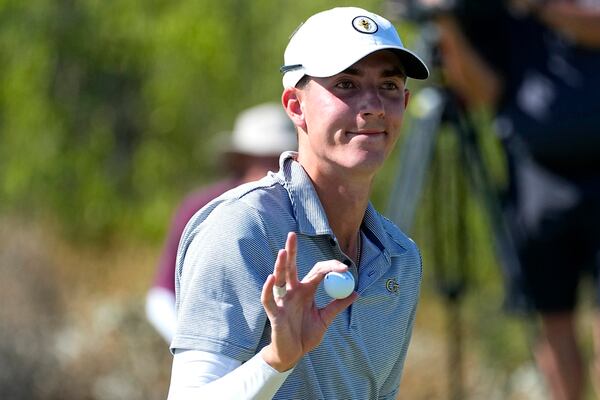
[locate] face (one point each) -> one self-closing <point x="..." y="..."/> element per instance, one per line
<point x="351" y="121"/>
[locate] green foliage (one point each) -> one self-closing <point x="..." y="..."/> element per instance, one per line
<point x="108" y="108"/>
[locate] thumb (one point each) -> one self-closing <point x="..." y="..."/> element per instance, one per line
<point x="331" y="310"/>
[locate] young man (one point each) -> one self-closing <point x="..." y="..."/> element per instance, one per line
<point x="247" y="330"/>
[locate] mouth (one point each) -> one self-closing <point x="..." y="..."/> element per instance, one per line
<point x="366" y="132"/>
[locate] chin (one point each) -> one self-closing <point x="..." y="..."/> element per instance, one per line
<point x="370" y="163"/>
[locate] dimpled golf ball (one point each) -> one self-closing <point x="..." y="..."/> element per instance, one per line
<point x="339" y="285"/>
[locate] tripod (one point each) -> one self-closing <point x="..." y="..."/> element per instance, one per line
<point x="441" y="168"/>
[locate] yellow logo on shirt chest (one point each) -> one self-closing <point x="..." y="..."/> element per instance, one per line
<point x="392" y="285"/>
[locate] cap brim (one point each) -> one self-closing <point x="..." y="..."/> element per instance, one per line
<point x="414" y="67"/>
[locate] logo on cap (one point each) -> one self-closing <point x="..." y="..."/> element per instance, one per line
<point x="364" y="25"/>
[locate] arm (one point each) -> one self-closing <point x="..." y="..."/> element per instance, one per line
<point x="160" y="299"/>
<point x="204" y="375"/>
<point x="464" y="69"/>
<point x="160" y="311"/>
<point x="580" y="24"/>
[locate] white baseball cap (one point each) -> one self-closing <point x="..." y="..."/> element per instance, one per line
<point x="331" y="41"/>
<point x="263" y="130"/>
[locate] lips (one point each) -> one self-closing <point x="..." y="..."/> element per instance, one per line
<point x="367" y="132"/>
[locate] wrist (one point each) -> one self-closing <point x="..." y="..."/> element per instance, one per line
<point x="270" y="357"/>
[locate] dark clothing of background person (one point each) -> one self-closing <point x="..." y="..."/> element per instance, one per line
<point x="535" y="64"/>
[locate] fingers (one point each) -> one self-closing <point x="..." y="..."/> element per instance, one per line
<point x="267" y="298"/>
<point x="284" y="272"/>
<point x="280" y="270"/>
<point x="285" y="265"/>
<point x="291" y="248"/>
<point x="329" y="312"/>
<point x="320" y="269"/>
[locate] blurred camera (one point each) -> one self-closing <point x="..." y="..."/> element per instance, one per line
<point x="423" y="10"/>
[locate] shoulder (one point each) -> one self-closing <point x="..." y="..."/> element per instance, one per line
<point x="260" y="206"/>
<point x="394" y="233"/>
<point x="266" y="197"/>
<point x="197" y="199"/>
<point x="400" y="240"/>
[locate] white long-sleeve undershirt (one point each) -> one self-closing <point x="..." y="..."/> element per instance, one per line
<point x="204" y="375"/>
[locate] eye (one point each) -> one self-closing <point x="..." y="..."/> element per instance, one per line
<point x="345" y="84"/>
<point x="390" y="85"/>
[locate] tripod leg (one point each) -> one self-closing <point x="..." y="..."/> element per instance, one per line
<point x="415" y="156"/>
<point x="480" y="179"/>
<point x="447" y="227"/>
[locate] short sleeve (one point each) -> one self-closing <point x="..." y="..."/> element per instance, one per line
<point x="227" y="261"/>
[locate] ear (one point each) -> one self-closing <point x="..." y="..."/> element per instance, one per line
<point x="406" y="97"/>
<point x="291" y="99"/>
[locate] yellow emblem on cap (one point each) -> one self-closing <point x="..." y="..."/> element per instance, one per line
<point x="364" y="24"/>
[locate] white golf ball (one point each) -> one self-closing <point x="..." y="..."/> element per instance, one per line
<point x="339" y="285"/>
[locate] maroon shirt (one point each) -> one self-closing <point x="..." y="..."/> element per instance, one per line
<point x="165" y="274"/>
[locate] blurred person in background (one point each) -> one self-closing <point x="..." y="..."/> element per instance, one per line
<point x="259" y="136"/>
<point x="536" y="64"/>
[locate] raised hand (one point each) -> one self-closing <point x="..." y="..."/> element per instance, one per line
<point x="297" y="325"/>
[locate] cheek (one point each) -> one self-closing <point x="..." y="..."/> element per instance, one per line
<point x="396" y="114"/>
<point x="328" y="112"/>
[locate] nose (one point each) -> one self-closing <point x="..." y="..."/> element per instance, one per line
<point x="372" y="104"/>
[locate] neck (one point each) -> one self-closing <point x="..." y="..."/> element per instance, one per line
<point x="345" y="207"/>
<point x="344" y="195"/>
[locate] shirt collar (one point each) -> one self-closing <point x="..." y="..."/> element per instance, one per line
<point x="311" y="216"/>
<point x="307" y="207"/>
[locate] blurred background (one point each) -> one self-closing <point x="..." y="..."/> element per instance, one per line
<point x="109" y="112"/>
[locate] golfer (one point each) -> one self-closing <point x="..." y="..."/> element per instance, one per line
<point x="253" y="319"/>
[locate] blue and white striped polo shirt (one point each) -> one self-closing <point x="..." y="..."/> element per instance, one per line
<point x="229" y="248"/>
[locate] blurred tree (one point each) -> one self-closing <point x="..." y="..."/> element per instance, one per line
<point x="108" y="109"/>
